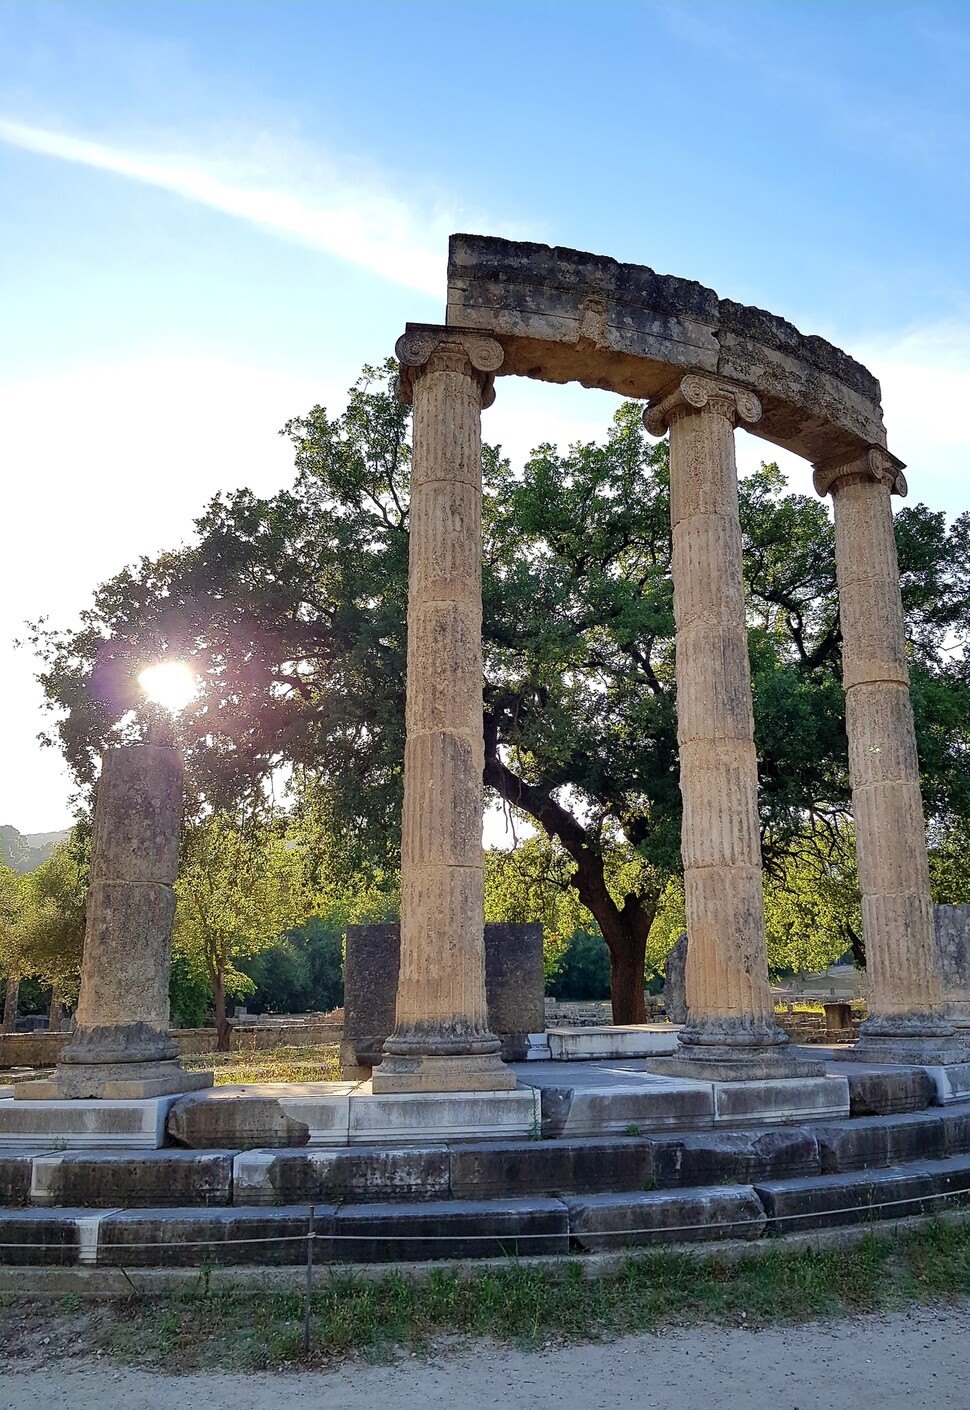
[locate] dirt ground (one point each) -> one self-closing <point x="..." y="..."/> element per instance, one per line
<point x="916" y="1360"/>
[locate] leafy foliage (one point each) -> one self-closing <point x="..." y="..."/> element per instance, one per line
<point x="292" y="609"/>
<point x="53" y="916"/>
<point x="239" y="888"/>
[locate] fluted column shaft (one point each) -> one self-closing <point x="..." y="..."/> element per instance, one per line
<point x="121" y="1047"/>
<point x="728" y="995"/>
<point x="902" y="959"/>
<point x="441" y="1039"/>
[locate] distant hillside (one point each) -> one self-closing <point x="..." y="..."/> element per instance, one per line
<point x="23" y="852"/>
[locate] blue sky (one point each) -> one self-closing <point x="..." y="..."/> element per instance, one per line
<point x="212" y="213"/>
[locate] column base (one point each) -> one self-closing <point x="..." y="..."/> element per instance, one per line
<point x="744" y="1049"/>
<point x="113" y="1081"/>
<point x="913" y="1039"/>
<point x="721" y="1062"/>
<point x="909" y="1052"/>
<point x="455" y="1072"/>
<point x="118" y="1044"/>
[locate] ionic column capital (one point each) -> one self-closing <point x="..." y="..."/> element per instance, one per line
<point x="698" y="392"/>
<point x="430" y="346"/>
<point x="875" y="464"/>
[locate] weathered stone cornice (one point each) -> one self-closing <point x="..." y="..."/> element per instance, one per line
<point x="697" y="392"/>
<point x="421" y="342"/>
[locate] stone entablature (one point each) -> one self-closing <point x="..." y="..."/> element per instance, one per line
<point x="562" y="316"/>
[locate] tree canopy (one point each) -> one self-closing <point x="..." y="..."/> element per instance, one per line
<point x="292" y="608"/>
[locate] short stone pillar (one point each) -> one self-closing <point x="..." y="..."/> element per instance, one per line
<point x="441" y="1039"/>
<point x="907" y="1022"/>
<point x="121" y="1048"/>
<point x="731" y="1030"/>
<point x="952" y="924"/>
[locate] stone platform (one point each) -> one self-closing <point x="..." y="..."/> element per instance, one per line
<point x="551" y="1099"/>
<point x="189" y="1209"/>
<point x="601" y="1166"/>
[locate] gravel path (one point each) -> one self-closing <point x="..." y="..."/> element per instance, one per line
<point x="907" y="1361"/>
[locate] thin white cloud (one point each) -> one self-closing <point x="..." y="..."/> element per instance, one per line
<point x="925" y="377"/>
<point x="365" y="226"/>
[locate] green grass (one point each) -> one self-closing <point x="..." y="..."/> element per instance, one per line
<point x="518" y="1304"/>
<point x="306" y="1064"/>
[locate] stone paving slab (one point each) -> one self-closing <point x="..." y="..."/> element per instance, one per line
<point x="549" y="1167"/>
<point x="179" y="1238"/>
<point x="782" y="1100"/>
<point x="952" y="1083"/>
<point x="62" y="1237"/>
<point x="353" y="1175"/>
<point x="85" y="1123"/>
<point x="612" y="1041"/>
<point x="404" y="1118"/>
<point x="734" y="1157"/>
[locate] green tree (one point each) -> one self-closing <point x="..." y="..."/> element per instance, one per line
<point x="292" y="609"/>
<point x="813" y="908"/>
<point x="531" y="884"/>
<point x="281" y="977"/>
<point x="950" y="866"/>
<point x="13" y="960"/>
<point x="240" y="886"/>
<point x="53" y="918"/>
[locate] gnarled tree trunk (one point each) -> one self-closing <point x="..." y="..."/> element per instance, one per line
<point x="10" y="997"/>
<point x="223" y="1026"/>
<point x="625" y="927"/>
<point x="54" y="1016"/>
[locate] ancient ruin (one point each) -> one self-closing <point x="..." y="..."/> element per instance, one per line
<point x="121" y="1048"/>
<point x="705" y="366"/>
<point x="719" y="1128"/>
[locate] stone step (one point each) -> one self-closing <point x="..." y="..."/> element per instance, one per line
<point x="510" y="1228"/>
<point x="856" y="1197"/>
<point x="135" y="1179"/>
<point x="193" y="1238"/>
<point x="883" y="1091"/>
<point x="376" y="1233"/>
<point x="610" y="1221"/>
<point x="466" y="1229"/>
<point x="477" y="1170"/>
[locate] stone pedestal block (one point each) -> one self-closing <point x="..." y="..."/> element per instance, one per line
<point x="952" y="928"/>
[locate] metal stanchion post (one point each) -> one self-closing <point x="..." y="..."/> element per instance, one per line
<point x="308" y="1295"/>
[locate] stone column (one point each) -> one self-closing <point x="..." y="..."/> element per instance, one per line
<point x="121" y="1048"/>
<point x="441" y="1040"/>
<point x="906" y="1020"/>
<point x="731" y="1030"/>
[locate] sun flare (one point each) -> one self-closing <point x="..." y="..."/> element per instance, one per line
<point x="171" y="684"/>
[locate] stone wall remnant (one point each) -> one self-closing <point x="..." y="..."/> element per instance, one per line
<point x="514" y="989"/>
